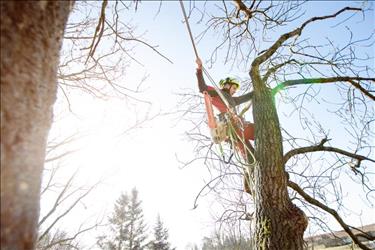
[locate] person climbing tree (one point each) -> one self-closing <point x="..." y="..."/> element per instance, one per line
<point x="244" y="131"/>
<point x="229" y="87"/>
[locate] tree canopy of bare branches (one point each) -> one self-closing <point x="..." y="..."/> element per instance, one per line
<point x="293" y="68"/>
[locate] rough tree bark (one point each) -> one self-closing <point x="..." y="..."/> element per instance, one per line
<point x="279" y="223"/>
<point x="31" y="36"/>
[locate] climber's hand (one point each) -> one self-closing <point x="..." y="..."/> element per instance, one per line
<point x="199" y="63"/>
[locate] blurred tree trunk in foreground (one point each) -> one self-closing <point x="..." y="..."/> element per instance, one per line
<point x="31" y="35"/>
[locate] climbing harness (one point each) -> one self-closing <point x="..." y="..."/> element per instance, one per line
<point x="218" y="128"/>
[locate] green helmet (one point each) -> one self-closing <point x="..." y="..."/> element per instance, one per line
<point x="229" y="80"/>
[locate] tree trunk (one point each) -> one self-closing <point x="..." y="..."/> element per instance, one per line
<point x="31" y="35"/>
<point x="279" y="223"/>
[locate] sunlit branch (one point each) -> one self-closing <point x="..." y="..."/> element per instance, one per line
<point x="321" y="147"/>
<point x="53" y="145"/>
<point x="351" y="80"/>
<point x="242" y="7"/>
<point x="60" y="156"/>
<point x="254" y="10"/>
<point x="331" y="211"/>
<point x="58" y="200"/>
<point x="208" y="184"/>
<point x="363" y="90"/>
<point x="275" y="68"/>
<point x="99" y="29"/>
<point x="269" y="52"/>
<point x="68" y="239"/>
<point x="49" y="182"/>
<point x="67" y="211"/>
<point x="137" y="40"/>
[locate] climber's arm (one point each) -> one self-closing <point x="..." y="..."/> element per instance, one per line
<point x="201" y="83"/>
<point x="243" y="98"/>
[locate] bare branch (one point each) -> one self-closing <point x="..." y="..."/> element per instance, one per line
<point x="58" y="199"/>
<point x="269" y="52"/>
<point x="242" y="7"/>
<point x="68" y="239"/>
<point x="275" y="68"/>
<point x="77" y="200"/>
<point x="351" y="80"/>
<point x="329" y="210"/>
<point x="99" y="29"/>
<point x="59" y="156"/>
<point x="321" y="147"/>
<point x="137" y="40"/>
<point x="208" y="184"/>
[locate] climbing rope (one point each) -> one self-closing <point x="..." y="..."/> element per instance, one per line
<point x="189" y="30"/>
<point x="197" y="56"/>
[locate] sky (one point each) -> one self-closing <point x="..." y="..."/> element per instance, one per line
<point x="149" y="157"/>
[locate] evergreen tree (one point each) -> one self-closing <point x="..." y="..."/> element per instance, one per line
<point x="136" y="227"/>
<point x="126" y="224"/>
<point x="160" y="241"/>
